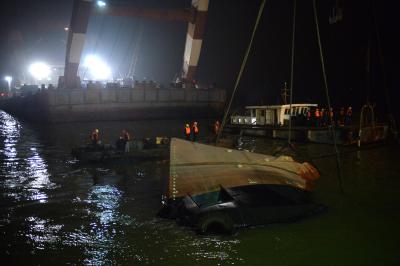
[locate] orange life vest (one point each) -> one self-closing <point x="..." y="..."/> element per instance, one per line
<point x="187" y="130"/>
<point x="195" y="129"/>
<point x="317" y="113"/>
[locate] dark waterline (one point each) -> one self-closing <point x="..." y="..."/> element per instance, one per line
<point x="55" y="211"/>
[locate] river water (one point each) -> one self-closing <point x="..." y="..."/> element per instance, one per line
<point x="54" y="210"/>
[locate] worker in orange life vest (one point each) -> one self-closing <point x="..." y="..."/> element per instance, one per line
<point x="95" y="137"/>
<point x="195" y="131"/>
<point x="187" y="132"/>
<point x="216" y="127"/>
<point x="331" y="116"/>
<point x="317" y="117"/>
<point x="308" y="117"/>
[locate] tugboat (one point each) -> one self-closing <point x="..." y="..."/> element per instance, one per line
<point x="272" y="121"/>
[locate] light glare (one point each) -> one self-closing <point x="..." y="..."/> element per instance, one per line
<point x="101" y="3"/>
<point x="97" y="68"/>
<point x="8" y="79"/>
<point x="39" y="70"/>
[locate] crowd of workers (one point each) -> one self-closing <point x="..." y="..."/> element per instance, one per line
<point x="191" y="133"/>
<point x="323" y="117"/>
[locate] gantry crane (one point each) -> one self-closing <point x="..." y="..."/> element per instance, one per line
<point x="82" y="9"/>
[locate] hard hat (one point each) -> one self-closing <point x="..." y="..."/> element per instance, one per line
<point x="195" y="123"/>
<point x="97" y="131"/>
<point x="187" y="125"/>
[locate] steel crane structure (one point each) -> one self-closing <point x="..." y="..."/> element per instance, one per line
<point x="195" y="16"/>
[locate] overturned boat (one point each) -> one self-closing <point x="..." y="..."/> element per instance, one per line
<point x="219" y="189"/>
<point x="139" y="149"/>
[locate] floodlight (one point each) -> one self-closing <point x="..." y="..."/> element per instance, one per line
<point x="39" y="70"/>
<point x="101" y="3"/>
<point x="98" y="69"/>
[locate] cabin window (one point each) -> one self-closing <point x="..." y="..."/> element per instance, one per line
<point x="262" y="112"/>
<point x="286" y="111"/>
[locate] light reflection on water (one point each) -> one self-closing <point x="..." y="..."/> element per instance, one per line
<point x="24" y="169"/>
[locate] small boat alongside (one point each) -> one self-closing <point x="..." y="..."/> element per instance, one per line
<point x="145" y="149"/>
<point x="219" y="189"/>
<point x="272" y="121"/>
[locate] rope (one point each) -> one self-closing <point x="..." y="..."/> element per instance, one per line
<point x="241" y="69"/>
<point x="291" y="73"/>
<point x="116" y="40"/>
<point x="332" y="127"/>
<point x="135" y="52"/>
<point x="387" y="94"/>
<point x="99" y="32"/>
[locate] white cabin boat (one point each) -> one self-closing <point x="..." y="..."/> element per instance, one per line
<point x="274" y="115"/>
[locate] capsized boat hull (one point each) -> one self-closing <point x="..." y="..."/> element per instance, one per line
<point x="222" y="183"/>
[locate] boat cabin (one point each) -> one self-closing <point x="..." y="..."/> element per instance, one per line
<point x="272" y="114"/>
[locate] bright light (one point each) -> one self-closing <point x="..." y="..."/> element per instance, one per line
<point x="66" y="28"/>
<point x="97" y="68"/>
<point x="8" y="79"/>
<point x="39" y="70"/>
<point x="101" y="3"/>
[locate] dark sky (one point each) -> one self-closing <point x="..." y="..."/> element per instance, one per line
<point x="33" y="30"/>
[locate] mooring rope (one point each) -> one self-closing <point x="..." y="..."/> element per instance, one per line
<point x="332" y="126"/>
<point x="260" y="11"/>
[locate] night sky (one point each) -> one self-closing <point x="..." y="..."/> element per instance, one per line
<point x="34" y="30"/>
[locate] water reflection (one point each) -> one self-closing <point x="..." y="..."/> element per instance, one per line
<point x="98" y="239"/>
<point x="25" y="172"/>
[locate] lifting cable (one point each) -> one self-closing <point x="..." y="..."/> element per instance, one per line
<point x="332" y="127"/>
<point x="129" y="48"/>
<point x="116" y="40"/>
<point x="291" y="74"/>
<point x="135" y="52"/>
<point x="260" y="11"/>
<point x="97" y="37"/>
<point x="384" y="77"/>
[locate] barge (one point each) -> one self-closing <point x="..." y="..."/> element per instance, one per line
<point x="116" y="103"/>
